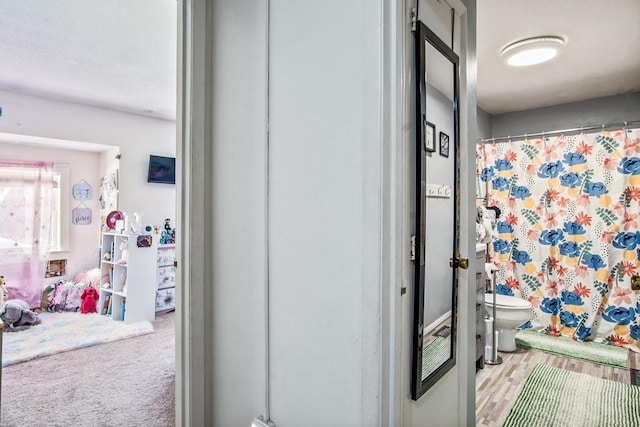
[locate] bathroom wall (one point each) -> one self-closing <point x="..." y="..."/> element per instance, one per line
<point x="484" y="124"/>
<point x="592" y="112"/>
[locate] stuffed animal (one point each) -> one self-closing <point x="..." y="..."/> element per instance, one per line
<point x="59" y="298"/>
<point x="47" y="297"/>
<point x="73" y="300"/>
<point x="17" y="315"/>
<point x="3" y="290"/>
<point x="484" y="225"/>
<point x="89" y="299"/>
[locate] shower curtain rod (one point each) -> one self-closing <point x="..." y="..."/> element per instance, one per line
<point x="562" y="131"/>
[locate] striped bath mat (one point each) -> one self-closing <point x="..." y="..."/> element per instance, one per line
<point x="588" y="350"/>
<point x="554" y="397"/>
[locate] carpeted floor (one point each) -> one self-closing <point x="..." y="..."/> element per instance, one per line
<point x="59" y="332"/>
<point x="554" y="397"/>
<point x="590" y="351"/>
<point x="125" y="383"/>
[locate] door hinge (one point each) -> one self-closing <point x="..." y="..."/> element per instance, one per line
<point x="414" y="19"/>
<point x="403" y="290"/>
<point x="412" y="256"/>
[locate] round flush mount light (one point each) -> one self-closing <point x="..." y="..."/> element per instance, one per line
<point x="532" y="51"/>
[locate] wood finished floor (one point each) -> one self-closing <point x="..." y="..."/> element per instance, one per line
<point x="497" y="386"/>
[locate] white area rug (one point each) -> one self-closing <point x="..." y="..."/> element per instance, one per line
<point x="60" y="332"/>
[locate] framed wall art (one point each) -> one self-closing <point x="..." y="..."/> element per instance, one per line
<point x="82" y="191"/>
<point x="81" y="215"/>
<point x="444" y="144"/>
<point x="429" y="136"/>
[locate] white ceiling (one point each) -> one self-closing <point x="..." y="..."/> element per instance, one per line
<point x="601" y="56"/>
<point x="121" y="54"/>
<point x="118" y="54"/>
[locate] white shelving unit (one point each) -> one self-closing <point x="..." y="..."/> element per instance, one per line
<point x="166" y="278"/>
<point x="128" y="279"/>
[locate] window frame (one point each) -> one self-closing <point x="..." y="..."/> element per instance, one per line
<point x="64" y="206"/>
<point x="59" y="238"/>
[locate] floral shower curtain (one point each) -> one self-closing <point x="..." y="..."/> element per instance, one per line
<point x="567" y="240"/>
<point x="26" y="196"/>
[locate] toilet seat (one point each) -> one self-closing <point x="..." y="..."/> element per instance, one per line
<point x="507" y="302"/>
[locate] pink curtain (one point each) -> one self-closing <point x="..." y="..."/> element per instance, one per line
<point x="26" y="197"/>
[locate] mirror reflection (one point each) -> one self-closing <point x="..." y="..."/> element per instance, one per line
<point x="439" y="212"/>
<point x="436" y="219"/>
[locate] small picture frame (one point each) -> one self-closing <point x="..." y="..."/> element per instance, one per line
<point x="444" y="144"/>
<point x="82" y="191"/>
<point x="56" y="268"/>
<point x="144" y="241"/>
<point x="81" y="216"/>
<point x="429" y="136"/>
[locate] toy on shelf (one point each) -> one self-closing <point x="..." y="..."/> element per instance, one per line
<point x="136" y="224"/>
<point x="112" y="217"/>
<point x="168" y="235"/>
<point x="124" y="252"/>
<point x="89" y="299"/>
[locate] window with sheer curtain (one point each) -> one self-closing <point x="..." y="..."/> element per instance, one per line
<point x="29" y="225"/>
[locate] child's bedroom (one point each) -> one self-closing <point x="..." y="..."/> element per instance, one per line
<point x="87" y="214"/>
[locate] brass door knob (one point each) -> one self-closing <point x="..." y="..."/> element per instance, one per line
<point x="462" y="263"/>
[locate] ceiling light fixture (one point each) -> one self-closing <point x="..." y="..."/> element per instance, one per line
<point x="532" y="51"/>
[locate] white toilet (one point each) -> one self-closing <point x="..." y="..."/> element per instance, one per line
<point x="511" y="312"/>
